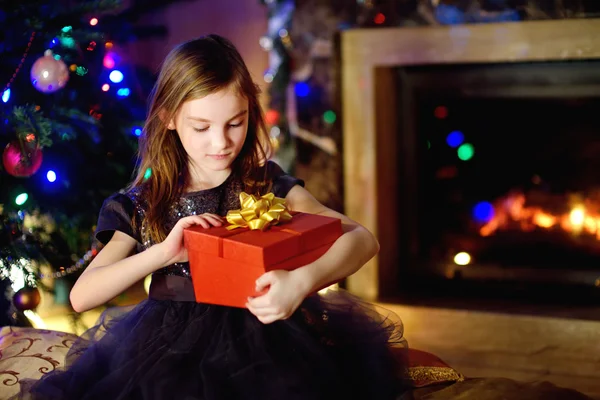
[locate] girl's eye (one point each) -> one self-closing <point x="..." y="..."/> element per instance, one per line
<point x="201" y="129"/>
<point x="236" y="125"/>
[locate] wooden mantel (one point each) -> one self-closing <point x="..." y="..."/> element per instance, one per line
<point x="368" y="60"/>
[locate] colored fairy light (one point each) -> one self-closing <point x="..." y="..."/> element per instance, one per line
<point x="21" y="199"/>
<point x="440" y="112"/>
<point x="302" y="89"/>
<point x="51" y="176"/>
<point x="123" y="92"/>
<point x="379" y="19"/>
<point x="266" y="43"/>
<point x="329" y="117"/>
<point x="483" y="211"/>
<point x="137" y="131"/>
<point x="6" y="95"/>
<point x="268" y="77"/>
<point x="455" y="139"/>
<point x="94" y="21"/>
<point x="108" y="61"/>
<point x="116" y="76"/>
<point x="466" y="151"/>
<point x="462" y="258"/>
<point x="148" y="173"/>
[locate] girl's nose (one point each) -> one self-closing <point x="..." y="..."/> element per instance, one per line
<point x="219" y="139"/>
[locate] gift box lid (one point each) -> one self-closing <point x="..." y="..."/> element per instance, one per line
<point x="304" y="232"/>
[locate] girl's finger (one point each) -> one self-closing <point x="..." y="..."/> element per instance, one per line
<point x="263" y="301"/>
<point x="215" y="216"/>
<point x="260" y="312"/>
<point x="214" y="221"/>
<point x="269" y="319"/>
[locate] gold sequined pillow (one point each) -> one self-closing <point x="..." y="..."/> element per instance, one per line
<point x="424" y="369"/>
<point x="28" y="353"/>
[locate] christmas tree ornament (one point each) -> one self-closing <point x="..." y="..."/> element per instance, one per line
<point x="49" y="74"/>
<point x="21" y="159"/>
<point x="28" y="298"/>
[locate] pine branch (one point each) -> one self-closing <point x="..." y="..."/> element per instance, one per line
<point x="27" y="119"/>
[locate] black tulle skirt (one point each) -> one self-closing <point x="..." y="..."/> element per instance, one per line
<point x="334" y="347"/>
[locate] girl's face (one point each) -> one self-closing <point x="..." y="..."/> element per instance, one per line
<point x="213" y="129"/>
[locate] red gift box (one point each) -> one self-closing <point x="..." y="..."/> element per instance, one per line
<point x="226" y="263"/>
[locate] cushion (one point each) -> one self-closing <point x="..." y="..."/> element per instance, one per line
<point x="425" y="369"/>
<point x="28" y="353"/>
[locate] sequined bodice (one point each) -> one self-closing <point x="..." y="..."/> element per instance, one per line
<point x="217" y="200"/>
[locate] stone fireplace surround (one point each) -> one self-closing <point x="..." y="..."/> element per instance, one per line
<point x="369" y="59"/>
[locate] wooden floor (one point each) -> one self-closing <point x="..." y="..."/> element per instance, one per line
<point x="565" y="352"/>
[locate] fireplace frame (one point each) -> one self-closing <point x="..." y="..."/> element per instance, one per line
<point x="370" y="99"/>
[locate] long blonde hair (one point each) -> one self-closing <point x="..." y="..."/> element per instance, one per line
<point x="192" y="70"/>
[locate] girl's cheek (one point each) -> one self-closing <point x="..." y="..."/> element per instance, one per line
<point x="197" y="143"/>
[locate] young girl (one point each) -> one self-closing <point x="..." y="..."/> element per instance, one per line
<point x="205" y="142"/>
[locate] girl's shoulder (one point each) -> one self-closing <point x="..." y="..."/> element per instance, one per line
<point x="122" y="210"/>
<point x="281" y="181"/>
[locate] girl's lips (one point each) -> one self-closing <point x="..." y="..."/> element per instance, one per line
<point x="219" y="156"/>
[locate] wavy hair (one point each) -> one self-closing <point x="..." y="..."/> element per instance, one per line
<point x="192" y="70"/>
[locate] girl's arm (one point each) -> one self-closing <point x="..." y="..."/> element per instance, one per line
<point x="346" y="256"/>
<point x="114" y="269"/>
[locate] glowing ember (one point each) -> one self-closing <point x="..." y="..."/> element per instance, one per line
<point x="514" y="211"/>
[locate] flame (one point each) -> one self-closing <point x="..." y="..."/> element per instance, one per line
<point x="513" y="211"/>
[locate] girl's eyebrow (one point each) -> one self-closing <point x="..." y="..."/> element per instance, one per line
<point x="243" y="112"/>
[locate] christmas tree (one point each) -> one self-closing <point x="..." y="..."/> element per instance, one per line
<point x="71" y="111"/>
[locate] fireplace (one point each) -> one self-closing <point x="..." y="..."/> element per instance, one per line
<point x="404" y="178"/>
<point x="498" y="168"/>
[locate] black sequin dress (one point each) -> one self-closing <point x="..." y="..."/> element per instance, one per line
<point x="335" y="346"/>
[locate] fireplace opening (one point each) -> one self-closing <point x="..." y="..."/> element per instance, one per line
<point x="499" y="172"/>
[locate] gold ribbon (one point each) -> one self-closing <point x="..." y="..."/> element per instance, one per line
<point x="258" y="212"/>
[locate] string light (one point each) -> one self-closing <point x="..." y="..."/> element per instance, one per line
<point x="23" y="57"/>
<point x="94" y="21"/>
<point x="466" y="151"/>
<point x="21" y="199"/>
<point x="379" y="19"/>
<point x="123" y="92"/>
<point x="51" y="176"/>
<point x="108" y="61"/>
<point x="440" y="112"/>
<point x="329" y="117"/>
<point x="116" y="76"/>
<point x="302" y="89"/>
<point x="268" y="77"/>
<point x="483" y="211"/>
<point x="105" y="87"/>
<point x="83" y="262"/>
<point x="455" y="139"/>
<point x="462" y="258"/>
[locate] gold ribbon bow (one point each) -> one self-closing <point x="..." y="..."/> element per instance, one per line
<point x="258" y="212"/>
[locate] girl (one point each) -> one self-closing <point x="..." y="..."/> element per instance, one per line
<point x="205" y="142"/>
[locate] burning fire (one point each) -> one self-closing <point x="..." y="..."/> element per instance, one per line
<point x="513" y="211"/>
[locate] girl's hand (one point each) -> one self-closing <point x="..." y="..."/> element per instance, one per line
<point x="172" y="246"/>
<point x="286" y="293"/>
